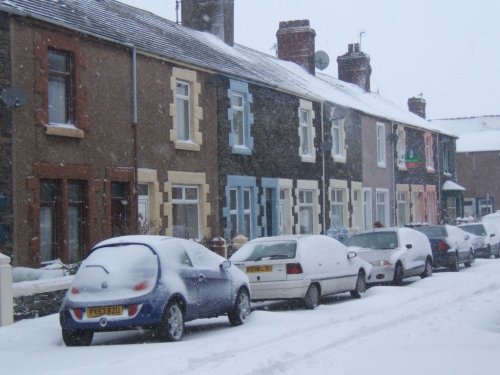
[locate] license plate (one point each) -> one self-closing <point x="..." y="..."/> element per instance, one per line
<point x="254" y="269"/>
<point x="94" y="312"/>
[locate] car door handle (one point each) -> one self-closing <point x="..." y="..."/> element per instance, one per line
<point x="201" y="277"/>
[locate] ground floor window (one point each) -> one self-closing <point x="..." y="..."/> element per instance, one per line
<point x="240" y="206"/>
<point x="337" y="207"/>
<point x="306" y="212"/>
<point x="382" y="206"/>
<point x="285" y="219"/>
<point x="62" y="219"/>
<point x="402" y="199"/>
<point x="186" y="211"/>
<point x="485" y="206"/>
<point x="367" y="208"/>
<point x="120" y="207"/>
<point x="451" y="209"/>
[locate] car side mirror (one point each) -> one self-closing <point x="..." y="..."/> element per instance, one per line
<point x="351" y="254"/>
<point x="467" y="237"/>
<point x="225" y="264"/>
<point x="409" y="246"/>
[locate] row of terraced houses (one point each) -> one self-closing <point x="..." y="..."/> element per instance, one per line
<point x="124" y="122"/>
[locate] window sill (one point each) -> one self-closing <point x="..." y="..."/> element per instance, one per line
<point x="186" y="145"/>
<point x="402" y="167"/>
<point x="339" y="158"/>
<point x="243" y="150"/>
<point x="381" y="165"/>
<point x="307" y="159"/>
<point x="430" y="169"/>
<point x="64" y="131"/>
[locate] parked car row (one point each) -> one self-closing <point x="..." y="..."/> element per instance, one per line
<point x="159" y="283"/>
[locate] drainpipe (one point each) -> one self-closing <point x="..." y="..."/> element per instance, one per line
<point x="394" y="161"/>
<point x="134" y="124"/>
<point x="438" y="178"/>
<point x="323" y="170"/>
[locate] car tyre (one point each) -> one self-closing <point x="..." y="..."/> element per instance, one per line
<point x="455" y="267"/>
<point x="311" y="299"/>
<point x="77" y="337"/>
<point x="241" y="308"/>
<point x="399" y="274"/>
<point x="360" y="286"/>
<point x="428" y="269"/>
<point x="470" y="260"/>
<point x="171" y="327"/>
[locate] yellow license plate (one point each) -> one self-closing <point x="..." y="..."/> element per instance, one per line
<point x="254" y="269"/>
<point x="94" y="312"/>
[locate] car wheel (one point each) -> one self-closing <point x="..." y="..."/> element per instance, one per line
<point x="470" y="260"/>
<point x="455" y="266"/>
<point x="312" y="297"/>
<point x="241" y="308"/>
<point x="360" y="286"/>
<point x="171" y="327"/>
<point x="399" y="274"/>
<point x="428" y="269"/>
<point x="77" y="337"/>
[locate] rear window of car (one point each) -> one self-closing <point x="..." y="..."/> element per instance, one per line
<point x="375" y="240"/>
<point x="266" y="251"/>
<point x="433" y="232"/>
<point x="116" y="271"/>
<point x="478" y="230"/>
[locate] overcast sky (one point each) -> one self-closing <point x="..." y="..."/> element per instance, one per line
<point x="447" y="50"/>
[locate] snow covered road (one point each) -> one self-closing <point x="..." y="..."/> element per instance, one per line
<point x="446" y="324"/>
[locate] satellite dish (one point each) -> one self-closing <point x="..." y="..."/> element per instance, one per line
<point x="13" y="97"/>
<point x="321" y="60"/>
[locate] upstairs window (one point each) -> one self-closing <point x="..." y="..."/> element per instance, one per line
<point x="306" y="132"/>
<point x="401" y="147"/>
<point x="338" y="140"/>
<point x="381" y="145"/>
<point x="429" y="156"/>
<point x="447" y="161"/>
<point x="60" y="87"/>
<point x="240" y="117"/>
<point x="182" y="97"/>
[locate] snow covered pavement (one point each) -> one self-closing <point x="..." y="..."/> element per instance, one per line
<point x="446" y="324"/>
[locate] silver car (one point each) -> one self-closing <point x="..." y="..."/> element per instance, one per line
<point x="301" y="267"/>
<point x="394" y="253"/>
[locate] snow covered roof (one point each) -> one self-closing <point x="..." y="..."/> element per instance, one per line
<point x="465" y="125"/>
<point x="118" y="22"/>
<point x="450" y="185"/>
<point x="479" y="133"/>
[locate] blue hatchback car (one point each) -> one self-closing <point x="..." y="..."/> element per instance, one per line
<point x="151" y="282"/>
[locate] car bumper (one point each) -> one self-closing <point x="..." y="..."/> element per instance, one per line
<point x="443" y="259"/>
<point x="482" y="252"/>
<point x="147" y="316"/>
<point x="381" y="274"/>
<point x="269" y="290"/>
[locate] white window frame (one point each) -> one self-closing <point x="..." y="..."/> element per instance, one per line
<point x="401" y="147"/>
<point x="304" y="203"/>
<point x="181" y="125"/>
<point x="385" y="204"/>
<point x="186" y="201"/>
<point x="310" y="156"/>
<point x="381" y="154"/>
<point x="338" y="205"/>
<point x="429" y="153"/>
<point x="338" y="140"/>
<point x="367" y="208"/>
<point x="239" y="109"/>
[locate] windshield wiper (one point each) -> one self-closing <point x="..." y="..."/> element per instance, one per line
<point x="275" y="256"/>
<point x="98" y="266"/>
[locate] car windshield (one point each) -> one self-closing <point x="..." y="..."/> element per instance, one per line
<point x="432" y="232"/>
<point x="115" y="272"/>
<point x="255" y="251"/>
<point x="478" y="230"/>
<point x="375" y="240"/>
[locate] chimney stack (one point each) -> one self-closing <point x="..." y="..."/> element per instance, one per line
<point x="354" y="67"/>
<point x="214" y="16"/>
<point x="296" y="43"/>
<point x="417" y="106"/>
